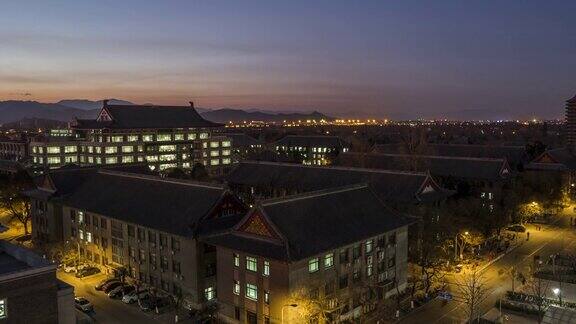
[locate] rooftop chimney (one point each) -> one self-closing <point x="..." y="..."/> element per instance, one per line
<point x="191" y="104"/>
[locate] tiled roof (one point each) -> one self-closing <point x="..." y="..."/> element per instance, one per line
<point x="144" y="116"/>
<point x="389" y="185"/>
<point x="242" y="140"/>
<point x="557" y="159"/>
<point x="515" y="155"/>
<point x="441" y="166"/>
<point x="313" y="223"/>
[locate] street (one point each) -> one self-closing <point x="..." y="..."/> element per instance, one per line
<point x="550" y="239"/>
<point x="107" y="310"/>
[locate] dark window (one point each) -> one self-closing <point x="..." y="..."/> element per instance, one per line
<point x="344" y="256"/>
<point x="251" y="318"/>
<point x="162" y="240"/>
<point x="210" y="269"/>
<point x="382" y="241"/>
<point x="237" y="313"/>
<point x="73" y="216"/>
<point x="329" y="287"/>
<point x="343" y="282"/>
<point x="391" y="261"/>
<point x="103" y="223"/>
<point x="176" y="266"/>
<point x="151" y="237"/>
<point x="104" y="243"/>
<point x="356" y="252"/>
<point x="392" y="238"/>
<point x="141" y="234"/>
<point x="88" y="219"/>
<point x="96" y="221"/>
<point x="131" y="231"/>
<point x="175" y="244"/>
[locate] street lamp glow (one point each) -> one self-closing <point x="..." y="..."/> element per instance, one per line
<point x="466" y="233"/>
<point x="556" y="291"/>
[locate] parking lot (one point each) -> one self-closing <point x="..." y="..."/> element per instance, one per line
<point x="107" y="310"/>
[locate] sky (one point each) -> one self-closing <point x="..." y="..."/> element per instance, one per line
<point x="395" y="59"/>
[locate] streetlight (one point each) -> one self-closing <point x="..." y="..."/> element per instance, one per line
<point x="282" y="311"/>
<point x="461" y="245"/>
<point x="556" y="292"/>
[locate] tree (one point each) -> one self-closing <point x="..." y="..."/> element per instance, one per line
<point x="199" y="172"/>
<point x="472" y="288"/>
<point x="538" y="287"/>
<point x="13" y="200"/>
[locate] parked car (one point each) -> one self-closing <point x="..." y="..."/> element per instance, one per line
<point x="88" y="271"/>
<point x="110" y="286"/>
<point x="102" y="283"/>
<point x="71" y="267"/>
<point x="83" y="304"/>
<point x="153" y="304"/>
<point x="120" y="291"/>
<point x="516" y="228"/>
<point x="134" y="296"/>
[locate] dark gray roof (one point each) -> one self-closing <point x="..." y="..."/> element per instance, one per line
<point x="312" y="141"/>
<point x="317" y="222"/>
<point x="10" y="166"/>
<point x="441" y="166"/>
<point x="171" y="206"/>
<point x="554" y="160"/>
<point x="515" y="155"/>
<point x="142" y="117"/>
<point x="395" y="186"/>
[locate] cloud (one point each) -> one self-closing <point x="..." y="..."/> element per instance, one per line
<point x="21" y="94"/>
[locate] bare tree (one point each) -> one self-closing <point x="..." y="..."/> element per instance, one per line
<point x="472" y="288"/>
<point x="538" y="287"/>
<point x="12" y="199"/>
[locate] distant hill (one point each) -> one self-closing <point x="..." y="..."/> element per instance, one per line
<point x="13" y="110"/>
<point x="26" y="112"/>
<point x="89" y="104"/>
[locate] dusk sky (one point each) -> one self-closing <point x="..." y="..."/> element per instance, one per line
<point x="397" y="59"/>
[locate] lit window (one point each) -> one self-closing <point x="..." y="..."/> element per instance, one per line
<point x="147" y="138"/>
<point x="191" y="136"/>
<point x="167" y="148"/>
<point x="214" y="144"/>
<point x="209" y="293"/>
<point x="88" y="237"/>
<point x="236" y="260"/>
<point x="132" y="138"/>
<point x="225" y="152"/>
<point x="369" y="245"/>
<point x="226" y="144"/>
<point x="127" y="159"/>
<point x="117" y="138"/>
<point x="163" y="137"/>
<point x="53" y="149"/>
<point x="110" y="149"/>
<point x="214" y="162"/>
<point x="266" y="268"/>
<point x="313" y="265"/>
<point x="178" y="137"/>
<point x="252" y="291"/>
<point x="252" y="264"/>
<point x="81" y="234"/>
<point x="3" y="308"/>
<point x="111" y="160"/>
<point x="70" y="149"/>
<point x="127" y="149"/>
<point x="203" y="135"/>
<point x="214" y="153"/>
<point x="266" y="297"/>
<point x="168" y="157"/>
<point x="329" y="260"/>
<point x="236" y="287"/>
<point x="80" y="217"/>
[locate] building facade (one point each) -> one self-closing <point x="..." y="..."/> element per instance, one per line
<point x="161" y="136"/>
<point x="140" y="226"/>
<point x="29" y="290"/>
<point x="290" y="260"/>
<point x="315" y="150"/>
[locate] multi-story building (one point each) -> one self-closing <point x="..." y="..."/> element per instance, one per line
<point x="14" y="149"/>
<point x="142" y="226"/>
<point x="162" y="136"/>
<point x="570" y="132"/>
<point x="341" y="249"/>
<point x="29" y="290"/>
<point x="311" y="149"/>
<point x="253" y="180"/>
<point x="245" y="146"/>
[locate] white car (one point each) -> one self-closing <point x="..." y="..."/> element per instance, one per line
<point x="83" y="304"/>
<point x="135" y="296"/>
<point x="72" y="268"/>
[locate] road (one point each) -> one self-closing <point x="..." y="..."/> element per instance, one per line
<point x="549" y="240"/>
<point x="108" y="310"/>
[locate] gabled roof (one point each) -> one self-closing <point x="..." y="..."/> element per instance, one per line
<point x="513" y="154"/>
<point x="310" y="224"/>
<point x="145" y="116"/>
<point x="312" y="141"/>
<point x="554" y="160"/>
<point x="441" y="166"/>
<point x="395" y="186"/>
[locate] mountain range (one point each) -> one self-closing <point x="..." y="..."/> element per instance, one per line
<point x="12" y="112"/>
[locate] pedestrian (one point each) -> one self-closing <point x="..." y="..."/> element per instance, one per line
<point x="527" y="236"/>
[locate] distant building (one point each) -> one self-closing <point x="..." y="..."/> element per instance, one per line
<point x="478" y="177"/>
<point x="570" y="131"/>
<point x="29" y="290"/>
<point x="253" y="180"/>
<point x="311" y="149"/>
<point x="14" y="148"/>
<point x="162" y="136"/>
<point x="515" y="155"/>
<point x="244" y="145"/>
<point x="340" y="248"/>
<point x="143" y="226"/>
